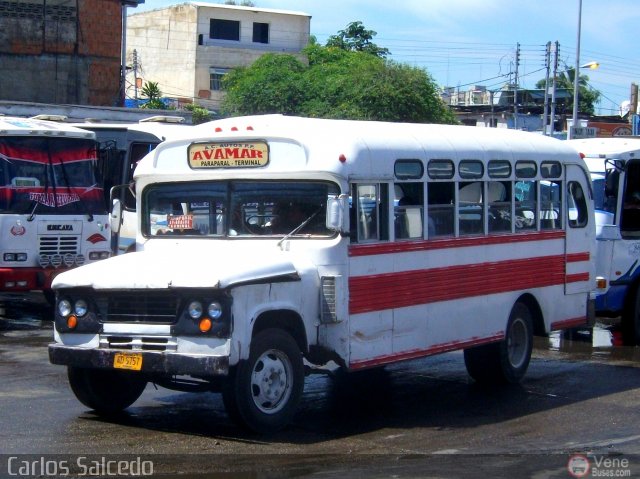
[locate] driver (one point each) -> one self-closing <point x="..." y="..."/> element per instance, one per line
<point x="288" y="215"/>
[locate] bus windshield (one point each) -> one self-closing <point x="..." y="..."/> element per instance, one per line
<point x="237" y="209"/>
<point x="49" y="175"/>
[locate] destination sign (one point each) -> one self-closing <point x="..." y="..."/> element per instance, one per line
<point x="228" y="155"/>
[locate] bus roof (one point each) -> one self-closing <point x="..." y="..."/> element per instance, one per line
<point x="16" y="126"/>
<point x="332" y="145"/>
<point x="622" y="148"/>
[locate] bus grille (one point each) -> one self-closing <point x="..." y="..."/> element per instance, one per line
<point x="148" y="307"/>
<point x="52" y="245"/>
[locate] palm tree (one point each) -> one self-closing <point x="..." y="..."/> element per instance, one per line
<point x="153" y="93"/>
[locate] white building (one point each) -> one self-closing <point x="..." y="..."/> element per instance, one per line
<point x="187" y="48"/>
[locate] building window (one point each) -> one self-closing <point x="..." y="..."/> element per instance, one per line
<point x="260" y="32"/>
<point x="224" y="29"/>
<point x="215" y="78"/>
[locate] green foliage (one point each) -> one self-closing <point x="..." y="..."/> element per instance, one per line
<point x="357" y="38"/>
<point x="272" y="84"/>
<point x="587" y="97"/>
<point x="199" y="114"/>
<point x="151" y="91"/>
<point x="336" y="83"/>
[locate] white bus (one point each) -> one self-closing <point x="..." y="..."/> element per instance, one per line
<point x="121" y="147"/>
<point x="272" y="240"/>
<point x="52" y="210"/>
<point x="614" y="164"/>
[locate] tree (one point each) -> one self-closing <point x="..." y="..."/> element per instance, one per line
<point x="587" y="97"/>
<point x="358" y="39"/>
<point x="272" y="84"/>
<point x="336" y="83"/>
<point x="151" y="91"/>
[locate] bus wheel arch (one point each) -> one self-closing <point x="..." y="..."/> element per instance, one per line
<point x="506" y="361"/>
<point x="286" y="320"/>
<point x="537" y="318"/>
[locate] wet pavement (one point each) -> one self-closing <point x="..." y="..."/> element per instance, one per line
<point x="423" y="418"/>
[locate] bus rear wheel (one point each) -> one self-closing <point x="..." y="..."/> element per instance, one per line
<point x="105" y="391"/>
<point x="264" y="391"/>
<point x="505" y="362"/>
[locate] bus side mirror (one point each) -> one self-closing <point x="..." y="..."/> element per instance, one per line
<point x="336" y="207"/>
<point x="115" y="217"/>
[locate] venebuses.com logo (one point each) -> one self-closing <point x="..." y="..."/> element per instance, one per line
<point x="580" y="465"/>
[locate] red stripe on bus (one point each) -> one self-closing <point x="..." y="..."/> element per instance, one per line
<point x="409" y="288"/>
<point x="568" y="323"/>
<point x="445" y="243"/>
<point x="578" y="257"/>
<point x="420" y="353"/>
<point x="577" y="277"/>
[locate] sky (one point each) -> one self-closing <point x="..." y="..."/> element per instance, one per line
<point x="462" y="43"/>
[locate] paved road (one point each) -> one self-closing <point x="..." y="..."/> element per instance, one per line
<point x="423" y="418"/>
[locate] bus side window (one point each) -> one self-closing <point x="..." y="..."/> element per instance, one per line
<point x="526" y="205"/>
<point x="371" y="212"/>
<point x="441" y="200"/>
<point x="470" y="208"/>
<point x="499" y="201"/>
<point x="550" y="205"/>
<point x="408" y="207"/>
<point x="577" y="205"/>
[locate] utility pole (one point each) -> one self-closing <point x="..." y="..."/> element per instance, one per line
<point x="135" y="74"/>
<point x="545" y="115"/>
<point x="633" y="104"/>
<point x="515" y="89"/>
<point x="576" y="78"/>
<point x="556" y="51"/>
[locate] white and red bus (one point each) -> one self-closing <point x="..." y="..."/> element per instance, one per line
<point x="52" y="211"/>
<point x="267" y="241"/>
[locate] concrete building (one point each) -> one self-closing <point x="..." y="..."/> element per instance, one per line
<point x="188" y="48"/>
<point x="62" y="51"/>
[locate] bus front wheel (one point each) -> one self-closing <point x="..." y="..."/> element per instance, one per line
<point x="506" y="361"/>
<point x="105" y="391"/>
<point x="264" y="391"/>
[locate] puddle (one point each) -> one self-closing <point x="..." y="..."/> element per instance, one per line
<point x="602" y="341"/>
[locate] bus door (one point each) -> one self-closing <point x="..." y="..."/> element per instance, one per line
<point x="580" y="233"/>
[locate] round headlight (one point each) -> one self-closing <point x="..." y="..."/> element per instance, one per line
<point x="80" y="307"/>
<point x="214" y="310"/>
<point x="64" y="308"/>
<point x="195" y="309"/>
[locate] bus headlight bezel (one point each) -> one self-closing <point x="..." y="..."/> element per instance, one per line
<point x="64" y="308"/>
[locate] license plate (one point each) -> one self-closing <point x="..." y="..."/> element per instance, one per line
<point x="128" y="361"/>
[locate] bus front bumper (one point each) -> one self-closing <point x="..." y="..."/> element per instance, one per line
<point x="152" y="362"/>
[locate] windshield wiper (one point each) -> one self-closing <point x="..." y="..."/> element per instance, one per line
<point x="299" y="227"/>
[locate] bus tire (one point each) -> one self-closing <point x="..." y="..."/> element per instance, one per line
<point x="105" y="391"/>
<point x="264" y="391"/>
<point x="631" y="320"/>
<point x="505" y="362"/>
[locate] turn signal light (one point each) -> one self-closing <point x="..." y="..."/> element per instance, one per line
<point x="205" y="325"/>
<point x="72" y="322"/>
<point x="601" y="283"/>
